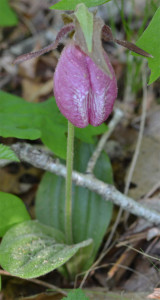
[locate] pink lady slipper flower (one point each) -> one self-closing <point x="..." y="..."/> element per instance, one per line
<point x="85" y="89"/>
<point x="84" y="93"/>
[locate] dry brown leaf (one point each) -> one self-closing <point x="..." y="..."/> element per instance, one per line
<point x="147" y="170"/>
<point x="155" y="294"/>
<point x="145" y="277"/>
<point x="33" y="90"/>
<point x="153" y="124"/>
<point x="28" y="68"/>
<point x="17" y="179"/>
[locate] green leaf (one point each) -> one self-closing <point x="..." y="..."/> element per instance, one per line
<point x="87" y="134"/>
<point x="26" y="120"/>
<point x="16" y="117"/>
<point x="7" y="15"/>
<point x="150" y="42"/>
<point x="7" y="153"/>
<point x="71" y="4"/>
<point x="77" y="294"/>
<point x="85" y="19"/>
<point x="31" y="121"/>
<point x="31" y="249"/>
<point x="12" y="211"/>
<point x="91" y="214"/>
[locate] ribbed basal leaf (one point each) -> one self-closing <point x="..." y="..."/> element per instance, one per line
<point x="31" y="249"/>
<point x="91" y="214"/>
<point x="12" y="211"/>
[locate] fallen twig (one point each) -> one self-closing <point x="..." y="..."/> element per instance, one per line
<point x="41" y="160"/>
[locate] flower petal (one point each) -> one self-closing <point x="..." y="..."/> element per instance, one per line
<point x="103" y="92"/>
<point x="72" y="85"/>
<point x="84" y="93"/>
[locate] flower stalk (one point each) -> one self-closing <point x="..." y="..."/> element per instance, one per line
<point x="68" y="195"/>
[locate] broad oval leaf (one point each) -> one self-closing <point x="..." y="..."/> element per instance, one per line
<point x="31" y="249"/>
<point x="91" y="214"/>
<point x="12" y="211"/>
<point x="71" y="4"/>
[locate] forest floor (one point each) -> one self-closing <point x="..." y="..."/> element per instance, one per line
<point x="129" y="269"/>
